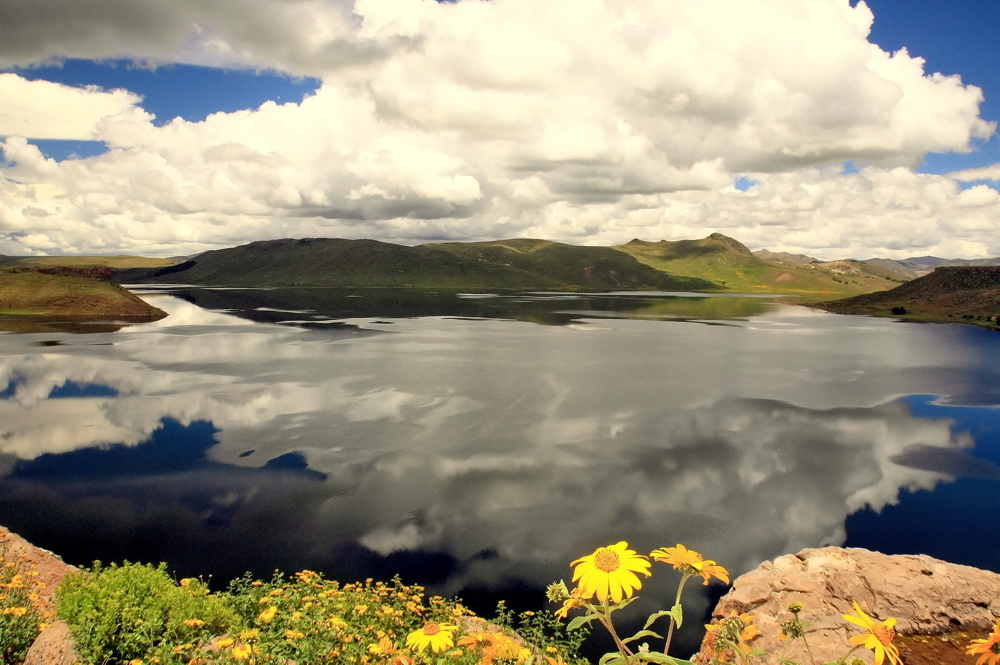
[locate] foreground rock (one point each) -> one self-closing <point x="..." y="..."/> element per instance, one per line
<point x="925" y="595"/>
<point x="54" y="646"/>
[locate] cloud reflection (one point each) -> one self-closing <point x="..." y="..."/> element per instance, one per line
<point x="467" y="453"/>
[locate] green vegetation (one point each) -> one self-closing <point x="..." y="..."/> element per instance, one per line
<point x="963" y="294"/>
<point x="122" y="615"/>
<point x="122" y="262"/>
<point x="118" y="613"/>
<point x="728" y="263"/>
<point x="70" y="292"/>
<point x="513" y="264"/>
<point x="22" y="616"/>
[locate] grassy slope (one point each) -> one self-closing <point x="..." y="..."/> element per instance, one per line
<point x="116" y="262"/>
<point x="947" y="294"/>
<point x="728" y="263"/>
<point x="511" y="264"/>
<point x="25" y="291"/>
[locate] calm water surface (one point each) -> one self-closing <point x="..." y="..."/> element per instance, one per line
<point x="479" y="442"/>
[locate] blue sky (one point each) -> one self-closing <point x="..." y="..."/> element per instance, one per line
<point x="787" y="125"/>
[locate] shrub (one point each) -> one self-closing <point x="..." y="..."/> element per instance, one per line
<point x="21" y="614"/>
<point x="134" y="611"/>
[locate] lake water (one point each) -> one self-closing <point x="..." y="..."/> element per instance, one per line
<point x="480" y="442"/>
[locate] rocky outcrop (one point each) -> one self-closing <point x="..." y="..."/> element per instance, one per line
<point x="925" y="595"/>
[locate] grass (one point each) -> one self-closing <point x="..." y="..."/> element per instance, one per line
<point x="27" y="292"/>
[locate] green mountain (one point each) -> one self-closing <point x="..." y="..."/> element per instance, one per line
<point x="970" y="293"/>
<point x="728" y="263"/>
<point x="507" y="264"/>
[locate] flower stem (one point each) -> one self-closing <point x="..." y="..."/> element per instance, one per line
<point x="677" y="601"/>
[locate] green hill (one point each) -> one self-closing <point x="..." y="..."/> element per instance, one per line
<point x="949" y="293"/>
<point x="511" y="264"/>
<point x="728" y="263"/>
<point x="63" y="291"/>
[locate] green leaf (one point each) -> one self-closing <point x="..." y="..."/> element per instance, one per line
<point x="612" y="658"/>
<point x="663" y="658"/>
<point x="641" y="634"/>
<point x="625" y="603"/>
<point x="656" y="615"/>
<point x="677" y="611"/>
<point x="580" y="621"/>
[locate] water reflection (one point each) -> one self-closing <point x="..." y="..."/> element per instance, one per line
<point x="472" y="450"/>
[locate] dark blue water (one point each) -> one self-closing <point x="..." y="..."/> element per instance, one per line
<point x="478" y="443"/>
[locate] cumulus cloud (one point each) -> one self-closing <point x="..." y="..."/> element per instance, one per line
<point x="38" y="109"/>
<point x="586" y="121"/>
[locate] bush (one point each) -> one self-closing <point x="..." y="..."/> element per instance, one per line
<point x="21" y="616"/>
<point x="136" y="611"/>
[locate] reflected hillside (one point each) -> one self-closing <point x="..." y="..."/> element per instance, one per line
<point x="321" y="307"/>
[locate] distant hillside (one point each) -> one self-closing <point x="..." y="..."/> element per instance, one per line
<point x="62" y="291"/>
<point x="948" y="293"/>
<point x="730" y="264"/>
<point x="116" y="262"/>
<point x="768" y="255"/>
<point x="509" y="264"/>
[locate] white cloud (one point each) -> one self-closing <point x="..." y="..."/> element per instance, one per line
<point x="46" y="110"/>
<point x="587" y="121"/>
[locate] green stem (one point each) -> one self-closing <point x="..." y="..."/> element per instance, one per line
<point x="677" y="601"/>
<point x="843" y="659"/>
<point x="810" y="653"/>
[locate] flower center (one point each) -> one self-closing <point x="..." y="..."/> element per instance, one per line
<point x="883" y="634"/>
<point x="432" y="628"/>
<point x="607" y="560"/>
<point x="995" y="647"/>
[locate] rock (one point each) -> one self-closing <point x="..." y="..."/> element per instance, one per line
<point x="51" y="568"/>
<point x="53" y="646"/>
<point x="925" y="595"/>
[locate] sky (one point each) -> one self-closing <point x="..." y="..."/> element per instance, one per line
<point x="832" y="128"/>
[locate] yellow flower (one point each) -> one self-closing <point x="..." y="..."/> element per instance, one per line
<point x="135" y="661"/>
<point x="690" y="562"/>
<point x="251" y="634"/>
<point x="437" y="636"/>
<point x="15" y="611"/>
<point x="988" y="648"/>
<point x="294" y="635"/>
<point x="709" y="569"/>
<point x="224" y="642"/>
<point x="194" y="623"/>
<point x="878" y="638"/>
<point x="610" y="571"/>
<point x="384" y="646"/>
<point x="242" y="652"/>
<point x="678" y="557"/>
<point x="267" y="616"/>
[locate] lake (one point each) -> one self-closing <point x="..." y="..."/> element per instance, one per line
<point x="478" y="443"/>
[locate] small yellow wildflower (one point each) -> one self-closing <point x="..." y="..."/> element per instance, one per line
<point x="610" y="572"/>
<point x="878" y="638"/>
<point x="194" y="623"/>
<point x="267" y="616"/>
<point x="224" y="642"/>
<point x="14" y="611"/>
<point x="294" y="635"/>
